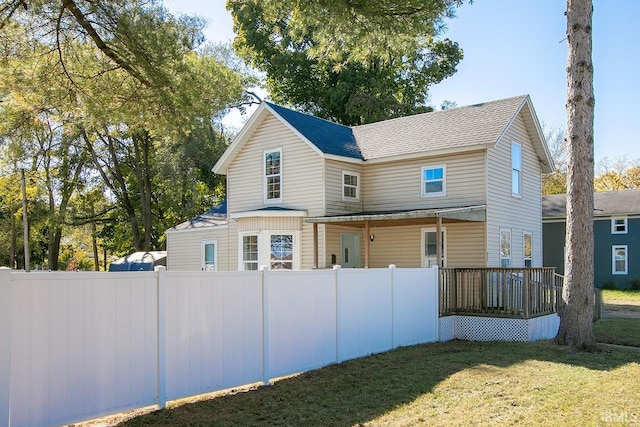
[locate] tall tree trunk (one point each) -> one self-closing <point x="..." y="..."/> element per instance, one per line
<point x="576" y="314"/>
<point x="14" y="242"/>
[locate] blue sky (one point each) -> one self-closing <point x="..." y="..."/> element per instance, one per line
<point x="514" y="47"/>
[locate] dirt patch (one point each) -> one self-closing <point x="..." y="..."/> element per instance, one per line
<point x="621" y="309"/>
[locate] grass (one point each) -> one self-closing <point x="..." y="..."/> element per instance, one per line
<point x="618" y="330"/>
<point x="453" y="383"/>
<point x="629" y="297"/>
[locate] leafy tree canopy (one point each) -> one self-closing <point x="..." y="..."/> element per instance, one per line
<point x="352" y="62"/>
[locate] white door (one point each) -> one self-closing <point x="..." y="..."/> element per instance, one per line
<point x="429" y="258"/>
<point x="209" y="255"/>
<point x="350" y="250"/>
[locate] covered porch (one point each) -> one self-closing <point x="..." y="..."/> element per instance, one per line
<point x="364" y="222"/>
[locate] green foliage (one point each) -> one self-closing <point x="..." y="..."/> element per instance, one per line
<point x="318" y="61"/>
<point x="609" y="285"/>
<point x="73" y="259"/>
<point x="635" y="284"/>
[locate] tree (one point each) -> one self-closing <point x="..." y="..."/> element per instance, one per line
<point x="620" y="173"/>
<point x="316" y="60"/>
<point x="576" y="312"/>
<point x="556" y="182"/>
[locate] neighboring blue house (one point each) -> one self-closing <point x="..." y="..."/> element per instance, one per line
<point x="616" y="228"/>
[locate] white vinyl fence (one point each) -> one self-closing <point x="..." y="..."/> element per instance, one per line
<point x="75" y="346"/>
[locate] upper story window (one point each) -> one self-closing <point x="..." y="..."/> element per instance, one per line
<point x="433" y="181"/>
<point x="350" y="186"/>
<point x="619" y="225"/>
<point x="516" y="169"/>
<point x="505" y="248"/>
<point x="273" y="175"/>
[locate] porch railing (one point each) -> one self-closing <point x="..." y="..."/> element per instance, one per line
<point x="499" y="292"/>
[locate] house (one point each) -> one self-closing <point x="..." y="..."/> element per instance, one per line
<point x="458" y="188"/>
<point x="616" y="229"/>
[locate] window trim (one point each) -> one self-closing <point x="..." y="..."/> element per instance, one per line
<point x="524" y="252"/>
<point x="613" y="260"/>
<point x="519" y="193"/>
<point x="510" y="257"/>
<point x="265" y="176"/>
<point x="613" y="225"/>
<point x="264" y="247"/>
<point x="203" y="244"/>
<point x="241" y="260"/>
<point x="357" y="186"/>
<point x="422" y="243"/>
<point x="442" y="193"/>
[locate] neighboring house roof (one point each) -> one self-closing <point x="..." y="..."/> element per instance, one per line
<point x="606" y="203"/>
<point x="457" y="129"/>
<point x="215" y="216"/>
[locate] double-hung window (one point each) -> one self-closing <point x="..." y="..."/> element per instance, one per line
<point x="505" y="248"/>
<point x="516" y="169"/>
<point x="273" y="175"/>
<point x="619" y="225"/>
<point x="619" y="257"/>
<point x="433" y="181"/>
<point x="250" y="252"/>
<point x="350" y="186"/>
<point x="281" y="252"/>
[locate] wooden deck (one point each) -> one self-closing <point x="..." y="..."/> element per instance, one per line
<point x="499" y="292"/>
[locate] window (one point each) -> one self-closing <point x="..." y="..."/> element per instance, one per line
<point x="527" y="248"/>
<point x="433" y="181"/>
<point x="281" y="252"/>
<point x="516" y="169"/>
<point x="350" y="186"/>
<point x="250" y="252"/>
<point x="505" y="248"/>
<point x="430" y="246"/>
<point x="619" y="225"/>
<point x="209" y="255"/>
<point x="619" y="264"/>
<point x="273" y="176"/>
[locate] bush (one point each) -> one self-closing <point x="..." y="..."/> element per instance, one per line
<point x="609" y="285"/>
<point x="635" y="284"/>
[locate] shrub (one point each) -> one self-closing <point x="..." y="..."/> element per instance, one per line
<point x="635" y="284"/>
<point x="609" y="285"/>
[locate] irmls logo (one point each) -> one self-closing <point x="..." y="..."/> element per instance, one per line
<point x="620" y="417"/>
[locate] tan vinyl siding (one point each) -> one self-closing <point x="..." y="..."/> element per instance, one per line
<point x="332" y="237"/>
<point x="397" y="185"/>
<point x="184" y="249"/>
<point x="269" y="223"/>
<point x="395" y="245"/>
<point x="465" y="245"/>
<point x="505" y="211"/>
<point x="302" y="171"/>
<point x="333" y="188"/>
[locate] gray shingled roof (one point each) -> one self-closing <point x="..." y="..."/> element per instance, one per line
<point x="606" y="203"/>
<point x="453" y="128"/>
<point x="215" y="216"/>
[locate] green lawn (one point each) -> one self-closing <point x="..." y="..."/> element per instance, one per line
<point x="453" y="383"/>
<point x="630" y="297"/>
<point x="618" y="330"/>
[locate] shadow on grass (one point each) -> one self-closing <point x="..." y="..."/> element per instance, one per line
<point x="360" y="390"/>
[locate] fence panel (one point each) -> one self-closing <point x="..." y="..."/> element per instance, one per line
<point x="213" y="331"/>
<point x="364" y="312"/>
<point x="301" y="320"/>
<point x="415" y="306"/>
<point x="81" y="346"/>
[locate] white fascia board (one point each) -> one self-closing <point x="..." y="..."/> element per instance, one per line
<point x="343" y="159"/>
<point x="294" y="130"/>
<point x="430" y="154"/>
<point x="268" y="214"/>
<point x="194" y="229"/>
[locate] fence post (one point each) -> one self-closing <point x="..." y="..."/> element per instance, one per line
<point x="266" y="378"/>
<point x="392" y="270"/>
<point x="161" y="391"/>
<point x="5" y="345"/>
<point x="526" y="293"/>
<point x="337" y="270"/>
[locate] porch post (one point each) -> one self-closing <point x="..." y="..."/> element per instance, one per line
<point x="439" y="241"/>
<point x="366" y="244"/>
<point x="315" y="245"/>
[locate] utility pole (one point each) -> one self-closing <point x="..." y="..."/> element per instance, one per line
<point x="27" y="261"/>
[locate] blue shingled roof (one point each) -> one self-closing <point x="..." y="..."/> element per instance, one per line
<point x="330" y="138"/>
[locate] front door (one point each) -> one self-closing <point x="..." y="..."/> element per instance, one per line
<point x="350" y="250"/>
<point x="429" y="258"/>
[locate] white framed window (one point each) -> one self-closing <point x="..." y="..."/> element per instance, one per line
<point x="433" y="181"/>
<point x="209" y="251"/>
<point x="619" y="263"/>
<point x="516" y="169"/>
<point x="429" y="247"/>
<point x="273" y="176"/>
<point x="505" y="247"/>
<point x="281" y="252"/>
<point x="527" y="248"/>
<point x="350" y="186"/>
<point x="619" y="225"/>
<point x="249" y="252"/>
